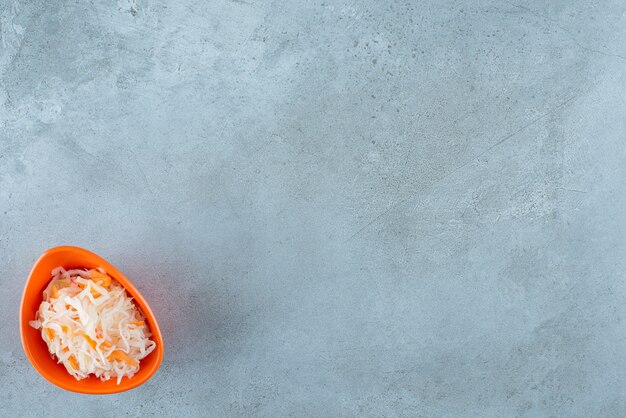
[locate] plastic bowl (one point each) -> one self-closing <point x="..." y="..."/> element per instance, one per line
<point x="35" y="347"/>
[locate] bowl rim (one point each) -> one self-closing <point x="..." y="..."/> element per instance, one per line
<point x="127" y="284"/>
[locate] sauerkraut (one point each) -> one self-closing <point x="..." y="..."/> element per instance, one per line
<point x="91" y="325"/>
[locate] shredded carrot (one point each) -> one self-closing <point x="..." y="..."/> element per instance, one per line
<point x="100" y="278"/>
<point x="73" y="362"/>
<point x="49" y="333"/>
<point x="65" y="328"/>
<point x="122" y="356"/>
<point x="105" y="344"/>
<point x="137" y="323"/>
<point x="91" y="342"/>
<point x="55" y="292"/>
<point x="93" y="291"/>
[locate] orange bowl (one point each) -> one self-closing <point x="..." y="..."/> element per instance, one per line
<point x="35" y="347"/>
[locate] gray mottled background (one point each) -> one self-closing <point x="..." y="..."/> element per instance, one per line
<point x="363" y="208"/>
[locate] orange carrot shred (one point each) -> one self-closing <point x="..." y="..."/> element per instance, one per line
<point x="122" y="356"/>
<point x="91" y="342"/>
<point x="100" y="278"/>
<point x="49" y="333"/>
<point x="72" y="362"/>
<point x="55" y="292"/>
<point x="137" y="323"/>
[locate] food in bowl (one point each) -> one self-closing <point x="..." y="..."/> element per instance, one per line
<point x="92" y="326"/>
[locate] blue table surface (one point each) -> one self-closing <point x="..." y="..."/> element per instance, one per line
<point x="374" y="208"/>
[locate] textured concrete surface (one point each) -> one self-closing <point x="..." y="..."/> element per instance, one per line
<point x="335" y="208"/>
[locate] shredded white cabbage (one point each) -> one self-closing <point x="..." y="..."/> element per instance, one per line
<point x="92" y="326"/>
